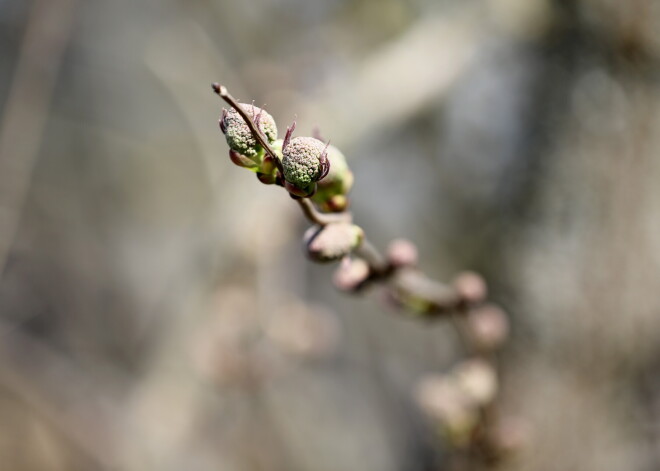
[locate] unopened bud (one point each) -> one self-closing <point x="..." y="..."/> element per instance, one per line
<point x="351" y="274"/>
<point x="477" y="380"/>
<point x="302" y="161"/>
<point x="332" y="242"/>
<point x="333" y="188"/>
<point x="440" y="397"/>
<point x="471" y="287"/>
<point x="402" y="253"/>
<point x="266" y="178"/>
<point x="300" y="192"/>
<point x="488" y="326"/>
<point x="242" y="161"/>
<point x="238" y="134"/>
<point x="334" y="204"/>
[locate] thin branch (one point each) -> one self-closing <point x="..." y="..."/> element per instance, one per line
<point x="223" y="93"/>
<point x="319" y="218"/>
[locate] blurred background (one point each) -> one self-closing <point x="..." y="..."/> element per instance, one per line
<point x="156" y="309"/>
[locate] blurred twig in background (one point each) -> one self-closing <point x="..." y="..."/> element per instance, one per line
<point x="25" y="112"/>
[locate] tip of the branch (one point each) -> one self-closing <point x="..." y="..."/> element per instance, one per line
<point x="219" y="89"/>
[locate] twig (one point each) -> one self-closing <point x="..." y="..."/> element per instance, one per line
<point x="317" y="217"/>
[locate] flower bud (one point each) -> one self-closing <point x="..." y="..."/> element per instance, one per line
<point x="471" y="287"/>
<point x="488" y="326"/>
<point x="302" y="162"/>
<point x="242" y="161"/>
<point x="351" y="274"/>
<point x="332" y="242"/>
<point x="441" y="399"/>
<point x="238" y="134"/>
<point x="477" y="380"/>
<point x="266" y="178"/>
<point x="402" y="253"/>
<point x="332" y="189"/>
<point x="334" y="204"/>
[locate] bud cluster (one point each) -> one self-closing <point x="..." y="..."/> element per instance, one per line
<point x="305" y="166"/>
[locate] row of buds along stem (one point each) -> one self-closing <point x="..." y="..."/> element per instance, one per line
<point x="305" y="166"/>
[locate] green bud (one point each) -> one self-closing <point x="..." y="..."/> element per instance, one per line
<point x="302" y="161"/>
<point x="331" y="190"/>
<point x="332" y="242"/>
<point x="238" y="134"/>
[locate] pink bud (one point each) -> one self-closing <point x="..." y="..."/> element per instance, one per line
<point x="402" y="253"/>
<point x="471" y="287"/>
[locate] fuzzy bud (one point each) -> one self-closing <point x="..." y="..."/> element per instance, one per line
<point x="402" y="253"/>
<point x="302" y="161"/>
<point x="332" y="242"/>
<point x="441" y="399"/>
<point x="471" y="287"/>
<point x="332" y="189"/>
<point x="351" y="274"/>
<point x="238" y="134"/>
<point x="488" y="326"/>
<point x="477" y="379"/>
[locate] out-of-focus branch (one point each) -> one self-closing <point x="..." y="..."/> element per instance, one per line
<point x="426" y="62"/>
<point x="24" y="116"/>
